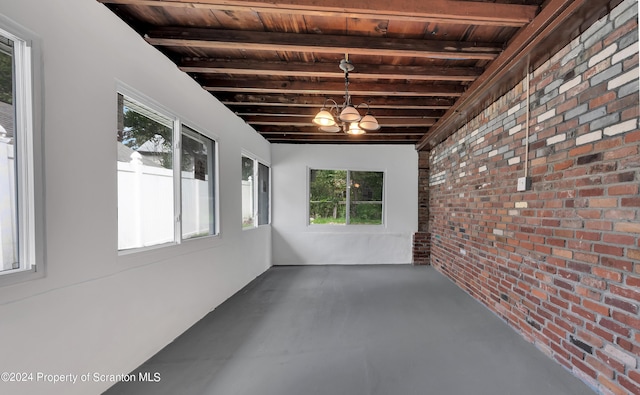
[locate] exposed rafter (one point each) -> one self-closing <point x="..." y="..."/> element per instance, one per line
<point x="300" y="121"/>
<point x="428" y="66"/>
<point x="333" y="138"/>
<point x="332" y="88"/>
<point x="325" y="43"/>
<point x="414" y="131"/>
<point x="329" y="70"/>
<point x="434" y="11"/>
<point x="277" y="100"/>
<point x="286" y="111"/>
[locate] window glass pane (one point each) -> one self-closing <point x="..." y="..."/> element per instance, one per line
<point x="9" y="259"/>
<point x="263" y="194"/>
<point x="366" y="197"/>
<point x="248" y="201"/>
<point x="197" y="185"/>
<point x="327" y="196"/>
<point x="145" y="176"/>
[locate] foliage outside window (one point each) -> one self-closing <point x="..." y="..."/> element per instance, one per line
<point x="255" y="193"/>
<point x="346" y="197"/>
<point x="158" y="202"/>
<point x="145" y="176"/>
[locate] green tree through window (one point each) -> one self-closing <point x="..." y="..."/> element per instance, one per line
<point x="366" y="197"/>
<point x="345" y="197"/>
<point x="6" y="70"/>
<point x="145" y="131"/>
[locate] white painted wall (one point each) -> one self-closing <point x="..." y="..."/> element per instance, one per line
<point x="295" y="242"/>
<point x="96" y="311"/>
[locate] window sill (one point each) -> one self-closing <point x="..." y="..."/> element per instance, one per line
<point x="17" y="276"/>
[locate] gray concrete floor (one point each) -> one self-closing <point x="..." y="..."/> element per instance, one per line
<point x="388" y="330"/>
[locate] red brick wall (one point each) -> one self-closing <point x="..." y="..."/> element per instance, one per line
<point x="561" y="262"/>
<point x="422" y="238"/>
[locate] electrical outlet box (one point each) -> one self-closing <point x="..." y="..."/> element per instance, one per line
<point x="524" y="184"/>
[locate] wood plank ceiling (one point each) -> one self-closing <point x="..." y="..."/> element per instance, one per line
<point x="419" y="65"/>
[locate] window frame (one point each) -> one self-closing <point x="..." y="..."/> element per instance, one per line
<point x="268" y="194"/>
<point x="177" y="131"/>
<point x="347" y="224"/>
<point x="28" y="125"/>
<point x="254" y="197"/>
<point x="149" y="104"/>
<point x="212" y="163"/>
<point x="255" y="190"/>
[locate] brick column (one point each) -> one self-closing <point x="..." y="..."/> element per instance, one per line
<point x="422" y="238"/>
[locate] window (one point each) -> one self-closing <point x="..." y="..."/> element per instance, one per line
<point x="19" y="249"/>
<point x="145" y="176"/>
<point x="248" y="193"/>
<point x="263" y="194"/>
<point x="198" y="188"/>
<point x="159" y="203"/>
<point x="365" y="197"/>
<point x="255" y="193"/>
<point x="346" y="197"/>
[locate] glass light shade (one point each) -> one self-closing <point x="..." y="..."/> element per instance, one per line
<point x="355" y="129"/>
<point x="324" y="118"/>
<point x="331" y="129"/>
<point x="350" y="114"/>
<point x="369" y="122"/>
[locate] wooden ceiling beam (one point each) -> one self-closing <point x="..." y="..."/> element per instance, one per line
<point x="342" y="138"/>
<point x="232" y="100"/>
<point x="314" y="129"/>
<point x="329" y="70"/>
<point x="325" y="134"/>
<point x="433" y="11"/>
<point x="312" y="111"/>
<point x="300" y="121"/>
<point x="323" y="43"/>
<point x="391" y="131"/>
<point x="332" y="88"/>
<point x="355" y="142"/>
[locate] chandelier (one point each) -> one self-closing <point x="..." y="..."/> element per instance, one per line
<point x="334" y="118"/>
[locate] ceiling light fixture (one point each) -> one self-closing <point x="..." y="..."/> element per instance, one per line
<point x="334" y="118"/>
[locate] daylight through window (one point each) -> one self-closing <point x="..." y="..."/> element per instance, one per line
<point x="343" y="197"/>
<point x="17" y="242"/>
<point x="160" y="202"/>
<point x="145" y="176"/>
<point x="8" y="166"/>
<point x="198" y="187"/>
<point x="256" y="193"/>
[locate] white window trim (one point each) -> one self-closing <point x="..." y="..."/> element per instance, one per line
<point x="254" y="191"/>
<point x="257" y="160"/>
<point x="216" y="182"/>
<point x="308" y="223"/>
<point x="28" y="129"/>
<point x="258" y="200"/>
<point x="178" y="122"/>
<point x="135" y="95"/>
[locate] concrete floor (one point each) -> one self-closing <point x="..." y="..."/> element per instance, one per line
<point x="332" y="330"/>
